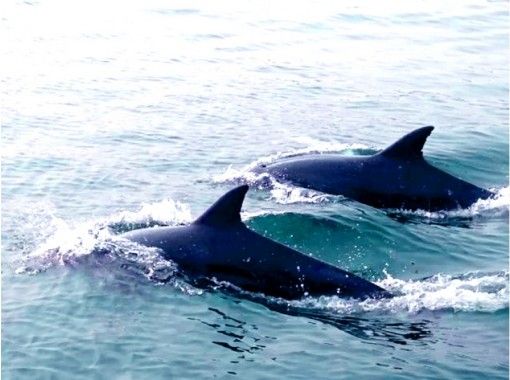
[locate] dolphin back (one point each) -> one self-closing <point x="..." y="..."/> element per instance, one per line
<point x="218" y="245"/>
<point x="397" y="177"/>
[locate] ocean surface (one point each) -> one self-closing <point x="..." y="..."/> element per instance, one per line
<point x="119" y="115"/>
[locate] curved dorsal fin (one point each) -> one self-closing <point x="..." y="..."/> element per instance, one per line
<point x="409" y="146"/>
<point x="226" y="210"/>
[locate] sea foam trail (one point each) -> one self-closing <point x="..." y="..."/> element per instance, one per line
<point x="497" y="206"/>
<point x="470" y="292"/>
<point x="285" y="193"/>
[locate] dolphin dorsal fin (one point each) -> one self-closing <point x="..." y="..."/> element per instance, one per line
<point x="409" y="146"/>
<point x="226" y="210"/>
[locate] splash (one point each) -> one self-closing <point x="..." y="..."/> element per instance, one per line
<point x="470" y="292"/>
<point x="287" y="194"/>
<point x="69" y="244"/>
<point x="496" y="206"/>
<point x="284" y="193"/>
<point x="312" y="147"/>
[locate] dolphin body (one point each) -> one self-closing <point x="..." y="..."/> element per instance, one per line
<point x="219" y="246"/>
<point x="397" y="177"/>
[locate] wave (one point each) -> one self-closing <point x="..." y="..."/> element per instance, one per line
<point x="496" y="206"/>
<point x="69" y="243"/>
<point x="470" y="292"/>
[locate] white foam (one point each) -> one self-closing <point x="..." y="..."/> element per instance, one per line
<point x="68" y="242"/>
<point x="467" y="293"/>
<point x="247" y="215"/>
<point x="168" y="212"/>
<point x="313" y="147"/>
<point x="287" y="194"/>
<point x="281" y="192"/>
<point x="496" y="206"/>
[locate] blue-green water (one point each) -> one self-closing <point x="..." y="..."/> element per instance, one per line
<point x="119" y="114"/>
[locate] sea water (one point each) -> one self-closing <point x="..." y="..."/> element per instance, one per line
<point x="121" y="115"/>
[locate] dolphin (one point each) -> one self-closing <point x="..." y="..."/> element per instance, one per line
<point x="397" y="177"/>
<point x="218" y="246"/>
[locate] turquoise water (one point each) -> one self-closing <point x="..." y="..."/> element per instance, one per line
<point x="117" y="115"/>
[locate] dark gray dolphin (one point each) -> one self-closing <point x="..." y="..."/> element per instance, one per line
<point x="219" y="245"/>
<point x="397" y="177"/>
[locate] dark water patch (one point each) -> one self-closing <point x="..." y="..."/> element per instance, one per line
<point x="376" y="329"/>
